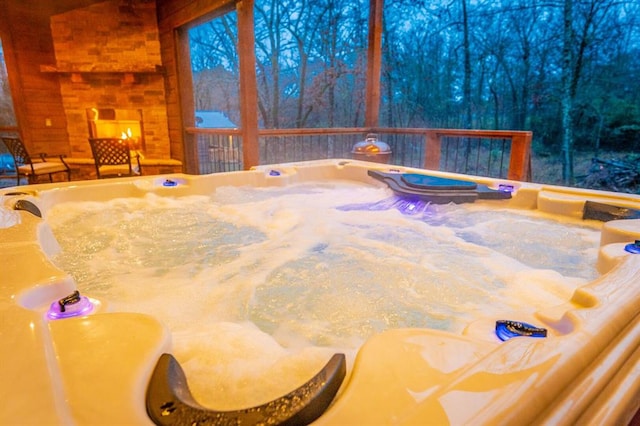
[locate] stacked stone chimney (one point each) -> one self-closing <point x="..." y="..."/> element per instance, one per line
<point x="108" y="56"/>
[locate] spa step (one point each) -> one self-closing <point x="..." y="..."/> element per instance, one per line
<point x="169" y="400"/>
<point x="436" y="189"/>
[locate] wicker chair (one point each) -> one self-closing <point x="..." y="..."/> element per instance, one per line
<point x="112" y="157"/>
<point x="30" y="168"/>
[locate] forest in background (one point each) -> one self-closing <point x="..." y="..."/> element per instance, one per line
<point x="568" y="70"/>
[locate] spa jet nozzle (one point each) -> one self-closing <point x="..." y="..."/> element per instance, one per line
<point x="506" y="329"/>
<point x="72" y="305"/>
<point x="633" y="248"/>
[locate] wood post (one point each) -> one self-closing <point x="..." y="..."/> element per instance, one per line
<point x="185" y="83"/>
<point x="374" y="60"/>
<point x="248" y="85"/>
<point x="432" y="150"/>
<point x="519" y="162"/>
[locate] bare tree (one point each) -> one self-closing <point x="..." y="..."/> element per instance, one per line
<point x="568" y="70"/>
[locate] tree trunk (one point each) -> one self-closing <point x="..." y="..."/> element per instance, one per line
<point x="275" y="36"/>
<point x="301" y="84"/>
<point x="467" y="66"/>
<point x="567" y="99"/>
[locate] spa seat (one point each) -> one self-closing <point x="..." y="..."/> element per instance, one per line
<point x="436" y="189"/>
<point x="113" y="158"/>
<point x="30" y="168"/>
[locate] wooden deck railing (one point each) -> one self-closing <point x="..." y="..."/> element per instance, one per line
<point x="492" y="153"/>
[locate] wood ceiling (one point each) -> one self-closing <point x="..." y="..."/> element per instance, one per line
<point x="61" y="6"/>
<point x="51" y="7"/>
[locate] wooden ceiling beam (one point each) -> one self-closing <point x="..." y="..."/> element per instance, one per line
<point x="61" y="6"/>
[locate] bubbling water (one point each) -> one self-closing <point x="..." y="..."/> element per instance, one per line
<point x="259" y="286"/>
<point x="8" y="218"/>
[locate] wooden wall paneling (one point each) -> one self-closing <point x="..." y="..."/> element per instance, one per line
<point x="28" y="44"/>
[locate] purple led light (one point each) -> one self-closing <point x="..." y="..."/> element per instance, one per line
<point x="633" y="248"/>
<point x="409" y="206"/>
<point x="82" y="307"/>
<point x="505" y="187"/>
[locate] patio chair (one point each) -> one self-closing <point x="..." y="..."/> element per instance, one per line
<point x="33" y="168"/>
<point x="113" y="158"/>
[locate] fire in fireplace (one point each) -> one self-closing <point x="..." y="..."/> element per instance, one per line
<point x="117" y="123"/>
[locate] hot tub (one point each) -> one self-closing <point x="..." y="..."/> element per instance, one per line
<point x="96" y="367"/>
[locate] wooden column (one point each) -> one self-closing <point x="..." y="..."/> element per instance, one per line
<point x="519" y="164"/>
<point x="432" y="150"/>
<point x="248" y="85"/>
<point x="374" y="60"/>
<point x="187" y="106"/>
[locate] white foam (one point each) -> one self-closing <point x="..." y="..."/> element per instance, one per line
<point x="260" y="285"/>
<point x="8" y="218"/>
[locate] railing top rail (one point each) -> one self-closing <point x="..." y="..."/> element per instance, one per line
<point x="475" y="133"/>
<point x="314" y="131"/>
<point x="479" y="133"/>
<point x="211" y="131"/>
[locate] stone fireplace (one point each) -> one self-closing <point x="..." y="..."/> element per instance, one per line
<point x="111" y="78"/>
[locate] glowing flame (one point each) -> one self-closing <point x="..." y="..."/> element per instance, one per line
<point x="127" y="135"/>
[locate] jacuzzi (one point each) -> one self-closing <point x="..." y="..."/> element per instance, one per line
<point x="96" y="367"/>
